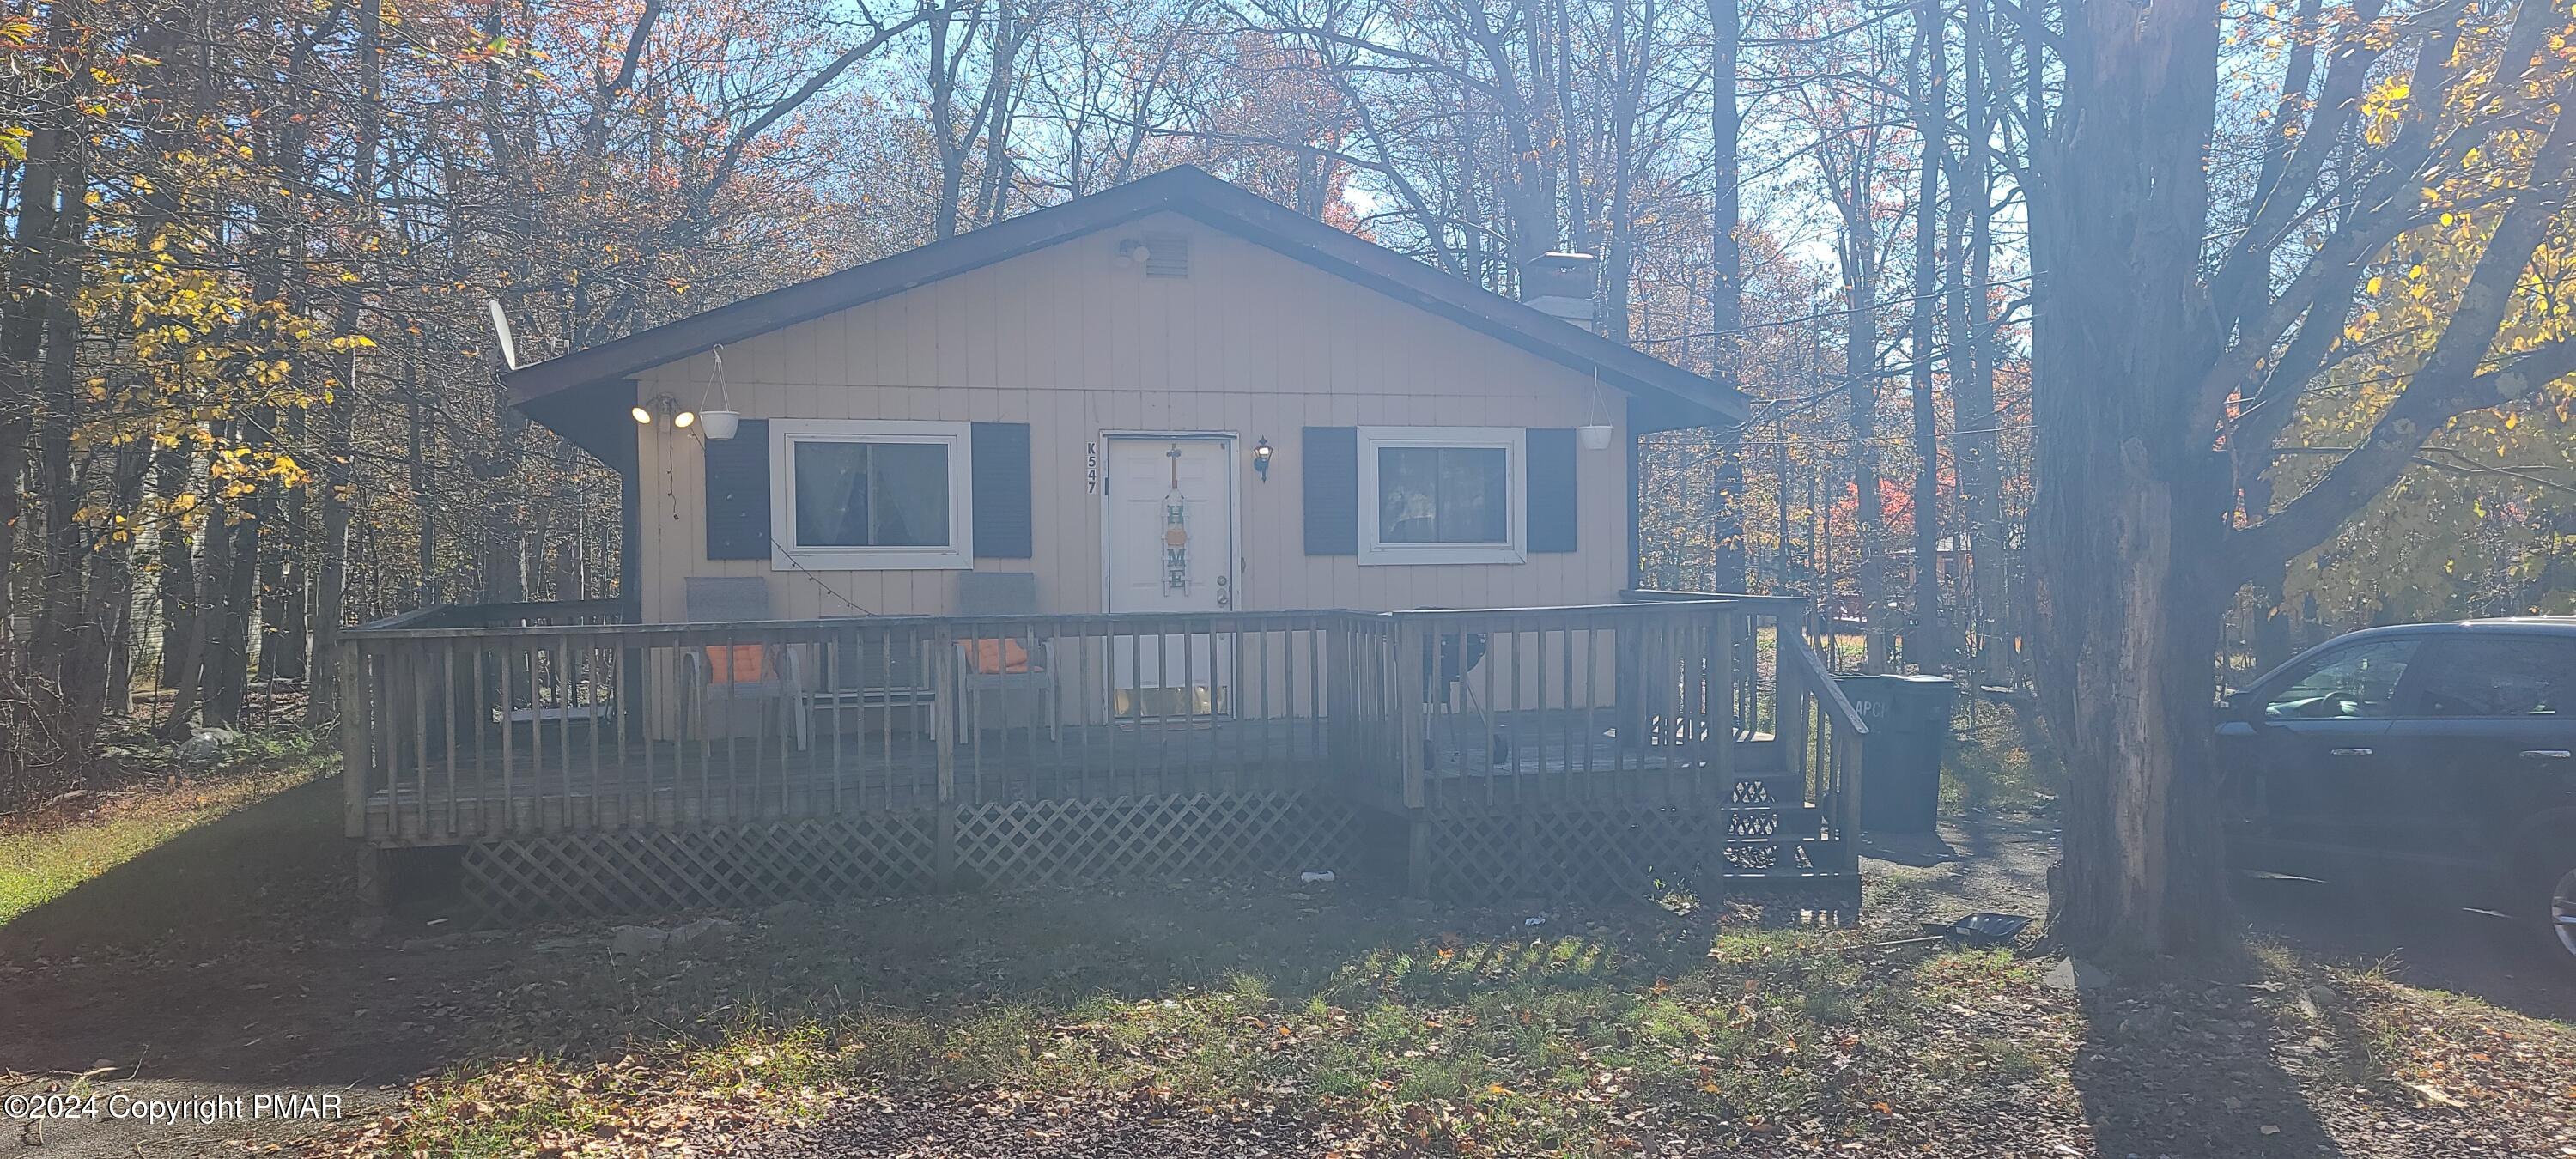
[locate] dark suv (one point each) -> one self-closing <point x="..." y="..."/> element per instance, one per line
<point x="2426" y="756"/>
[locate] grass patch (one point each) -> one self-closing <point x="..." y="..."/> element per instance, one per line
<point x="1405" y="1034"/>
<point x="1999" y="762"/>
<point x="46" y="856"/>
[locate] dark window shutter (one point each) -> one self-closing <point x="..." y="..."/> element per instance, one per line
<point x="1331" y="470"/>
<point x="738" y="493"/>
<point x="1549" y="477"/>
<point x="1003" y="524"/>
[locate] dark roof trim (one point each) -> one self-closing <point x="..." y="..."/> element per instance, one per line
<point x="1689" y="399"/>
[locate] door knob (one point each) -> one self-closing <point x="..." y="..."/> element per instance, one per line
<point x="2349" y="752"/>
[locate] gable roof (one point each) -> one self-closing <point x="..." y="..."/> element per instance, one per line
<point x="557" y="390"/>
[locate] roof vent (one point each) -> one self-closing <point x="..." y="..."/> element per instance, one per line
<point x="1167" y="255"/>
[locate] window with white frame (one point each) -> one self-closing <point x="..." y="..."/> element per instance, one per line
<point x="1441" y="495"/>
<point x="869" y="495"/>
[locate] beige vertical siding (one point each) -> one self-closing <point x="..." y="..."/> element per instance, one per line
<point x="1066" y="340"/>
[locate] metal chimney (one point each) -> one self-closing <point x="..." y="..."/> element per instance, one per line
<point x="1559" y="284"/>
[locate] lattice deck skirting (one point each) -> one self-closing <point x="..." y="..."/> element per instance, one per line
<point x="586" y="874"/>
<point x="1034" y="842"/>
<point x="1567" y="855"/>
<point x="1041" y="842"/>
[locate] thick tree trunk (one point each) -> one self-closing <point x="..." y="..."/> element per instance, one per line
<point x="2128" y="626"/>
<point x="224" y="688"/>
<point x="2131" y="501"/>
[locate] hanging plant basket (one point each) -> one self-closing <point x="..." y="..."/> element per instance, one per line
<point x="1595" y="436"/>
<point x="720" y="424"/>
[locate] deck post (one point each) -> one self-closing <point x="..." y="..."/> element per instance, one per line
<point x="1417" y="857"/>
<point x="374" y="870"/>
<point x="1411" y="645"/>
<point x="944" y="847"/>
<point x="1788" y="634"/>
<point x="350" y="674"/>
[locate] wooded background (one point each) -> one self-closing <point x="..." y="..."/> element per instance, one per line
<point x="248" y="388"/>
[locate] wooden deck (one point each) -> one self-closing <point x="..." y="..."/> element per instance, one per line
<point x="1519" y="749"/>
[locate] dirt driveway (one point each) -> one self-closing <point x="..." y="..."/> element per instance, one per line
<point x="2002" y="865"/>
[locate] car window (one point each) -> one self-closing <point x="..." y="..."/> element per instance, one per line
<point x="2498" y="676"/>
<point x="2356" y="680"/>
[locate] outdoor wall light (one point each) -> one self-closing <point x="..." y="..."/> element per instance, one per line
<point x="1132" y="252"/>
<point x="1261" y="459"/>
<point x="665" y="406"/>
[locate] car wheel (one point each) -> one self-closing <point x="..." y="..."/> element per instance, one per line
<point x="2561" y="912"/>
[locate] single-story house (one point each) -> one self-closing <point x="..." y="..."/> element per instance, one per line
<point x="1170" y="396"/>
<point x="1164" y="528"/>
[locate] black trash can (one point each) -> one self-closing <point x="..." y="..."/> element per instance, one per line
<point x="1909" y="732"/>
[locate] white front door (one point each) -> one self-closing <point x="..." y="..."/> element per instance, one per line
<point x="1170" y="548"/>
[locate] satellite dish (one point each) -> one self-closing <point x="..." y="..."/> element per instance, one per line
<point x="501" y="327"/>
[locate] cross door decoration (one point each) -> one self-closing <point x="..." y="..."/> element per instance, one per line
<point x="1176" y="530"/>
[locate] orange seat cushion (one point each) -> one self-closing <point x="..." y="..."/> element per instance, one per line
<point x="996" y="657"/>
<point x="738" y="663"/>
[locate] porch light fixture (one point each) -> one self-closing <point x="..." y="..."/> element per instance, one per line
<point x="665" y="406"/>
<point x="1261" y="459"/>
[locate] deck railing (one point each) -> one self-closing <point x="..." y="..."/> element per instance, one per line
<point x="469" y="724"/>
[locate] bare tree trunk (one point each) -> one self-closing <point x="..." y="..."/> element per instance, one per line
<point x="1726" y="294"/>
<point x="423" y="495"/>
<point x="281" y="571"/>
<point x="177" y="581"/>
<point x="1860" y="384"/>
<point x="943" y="104"/>
<point x="65" y="539"/>
<point x="109" y="591"/>
<point x="200" y="668"/>
<point x="1972" y="383"/>
<point x="1008" y="35"/>
<point x="1928" y="643"/>
<point x="46" y="184"/>
<point x="1628" y="76"/>
<point x="224" y="687"/>
<point x="331" y="591"/>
